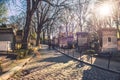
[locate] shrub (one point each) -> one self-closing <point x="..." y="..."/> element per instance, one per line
<point x="90" y="51"/>
<point x="30" y="51"/>
<point x="22" y="53"/>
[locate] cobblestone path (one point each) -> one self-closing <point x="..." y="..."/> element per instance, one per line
<point x="52" y="65"/>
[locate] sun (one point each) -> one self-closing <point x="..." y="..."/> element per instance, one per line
<point x="105" y="9"/>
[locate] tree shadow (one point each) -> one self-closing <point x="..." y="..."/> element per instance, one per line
<point x="94" y="73"/>
<point x="98" y="74"/>
<point x="58" y="59"/>
<point x="11" y="56"/>
<point x="3" y="72"/>
<point x="34" y="69"/>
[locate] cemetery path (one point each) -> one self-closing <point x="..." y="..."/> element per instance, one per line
<point x="52" y="65"/>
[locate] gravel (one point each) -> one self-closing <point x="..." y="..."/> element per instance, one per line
<point x="52" y="65"/>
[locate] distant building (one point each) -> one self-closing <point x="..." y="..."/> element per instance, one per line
<point x="82" y="38"/>
<point x="118" y="44"/>
<point x="62" y="41"/>
<point x="70" y="39"/>
<point x="82" y="41"/>
<point x="66" y="39"/>
<point x="108" y="39"/>
<point x="7" y="39"/>
<point x="18" y="38"/>
<point x="55" y="40"/>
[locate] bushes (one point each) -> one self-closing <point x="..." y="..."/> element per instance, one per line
<point x="90" y="52"/>
<point x="22" y="53"/>
<point x="30" y="51"/>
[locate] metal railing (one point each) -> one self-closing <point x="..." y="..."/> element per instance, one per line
<point x="87" y="59"/>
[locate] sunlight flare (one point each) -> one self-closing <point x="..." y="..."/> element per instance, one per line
<point x="105" y="9"/>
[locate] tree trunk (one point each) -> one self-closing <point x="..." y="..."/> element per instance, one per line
<point x="48" y="33"/>
<point x="27" y="27"/>
<point x="38" y="37"/>
<point x="81" y="28"/>
<point x="44" y="36"/>
<point x="26" y="32"/>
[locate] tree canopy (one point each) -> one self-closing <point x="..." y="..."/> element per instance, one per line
<point x="3" y="11"/>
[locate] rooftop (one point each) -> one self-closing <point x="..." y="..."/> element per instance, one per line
<point x="6" y="30"/>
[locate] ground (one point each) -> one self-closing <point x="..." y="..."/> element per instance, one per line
<point x="52" y="65"/>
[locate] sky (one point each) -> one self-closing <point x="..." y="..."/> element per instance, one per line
<point x="15" y="8"/>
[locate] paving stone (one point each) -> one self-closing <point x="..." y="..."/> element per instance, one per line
<point x="55" y="66"/>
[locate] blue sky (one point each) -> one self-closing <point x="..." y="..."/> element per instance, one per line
<point x="15" y="8"/>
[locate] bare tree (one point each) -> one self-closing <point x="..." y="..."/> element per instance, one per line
<point x="31" y="7"/>
<point x="116" y="16"/>
<point x="82" y="9"/>
<point x="18" y="20"/>
<point x="46" y="15"/>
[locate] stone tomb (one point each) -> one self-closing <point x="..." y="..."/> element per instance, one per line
<point x="108" y="39"/>
<point x="7" y="39"/>
<point x="82" y="38"/>
<point x="63" y="41"/>
<point x="118" y="41"/>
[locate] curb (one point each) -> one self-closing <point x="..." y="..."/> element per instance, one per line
<point x="15" y="69"/>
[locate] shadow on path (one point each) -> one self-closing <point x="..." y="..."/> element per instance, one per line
<point x="11" y="56"/>
<point x="58" y="59"/>
<point x="98" y="74"/>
